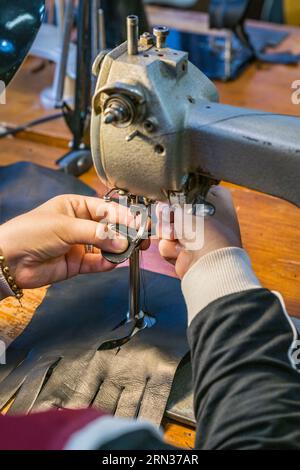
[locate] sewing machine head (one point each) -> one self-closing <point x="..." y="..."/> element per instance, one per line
<point x="157" y="129"/>
<point x="143" y="95"/>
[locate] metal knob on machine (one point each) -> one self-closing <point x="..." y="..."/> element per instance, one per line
<point x="119" y="104"/>
<point x="161" y="33"/>
<point x="119" y="110"/>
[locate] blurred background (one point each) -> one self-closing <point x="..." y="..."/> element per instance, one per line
<point x="277" y="11"/>
<point x="228" y="40"/>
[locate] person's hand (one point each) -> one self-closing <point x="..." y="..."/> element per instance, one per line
<point x="220" y="231"/>
<point x="47" y="244"/>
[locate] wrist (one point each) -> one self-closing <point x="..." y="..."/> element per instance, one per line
<point x="7" y="249"/>
<point x="221" y="272"/>
<point x="189" y="258"/>
<point x="8" y="286"/>
<point x="5" y="289"/>
<point x="8" y="281"/>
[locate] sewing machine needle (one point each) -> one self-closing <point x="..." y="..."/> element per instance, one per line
<point x="134" y="285"/>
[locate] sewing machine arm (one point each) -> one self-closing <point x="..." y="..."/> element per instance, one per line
<point x="257" y="150"/>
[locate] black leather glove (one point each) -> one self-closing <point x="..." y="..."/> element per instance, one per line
<point x="74" y="321"/>
<point x="76" y="317"/>
<point x="134" y="379"/>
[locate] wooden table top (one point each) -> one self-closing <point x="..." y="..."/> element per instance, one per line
<point x="270" y="227"/>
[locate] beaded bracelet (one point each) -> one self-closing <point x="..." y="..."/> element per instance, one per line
<point x="9" y="278"/>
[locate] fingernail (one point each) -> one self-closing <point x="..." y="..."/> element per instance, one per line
<point x="120" y="244"/>
<point x="166" y="215"/>
<point x="178" y="247"/>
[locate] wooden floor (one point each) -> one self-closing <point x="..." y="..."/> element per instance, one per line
<point x="270" y="227"/>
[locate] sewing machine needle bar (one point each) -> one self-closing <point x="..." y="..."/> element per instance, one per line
<point x="134" y="280"/>
<point x="134" y="287"/>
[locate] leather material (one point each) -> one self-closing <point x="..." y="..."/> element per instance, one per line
<point x="63" y="327"/>
<point x="58" y="361"/>
<point x="24" y="186"/>
<point x="180" y="406"/>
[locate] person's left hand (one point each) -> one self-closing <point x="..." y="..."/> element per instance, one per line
<point x="47" y="244"/>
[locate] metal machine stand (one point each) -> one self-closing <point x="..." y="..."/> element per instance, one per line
<point x="79" y="159"/>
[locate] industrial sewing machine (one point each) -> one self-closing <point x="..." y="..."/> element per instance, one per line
<point x="158" y="132"/>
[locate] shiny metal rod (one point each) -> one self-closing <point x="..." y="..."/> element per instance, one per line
<point x="95" y="28"/>
<point x="59" y="82"/>
<point x="102" y="32"/>
<point x="134" y="280"/>
<point x="134" y="285"/>
<point x="132" y="34"/>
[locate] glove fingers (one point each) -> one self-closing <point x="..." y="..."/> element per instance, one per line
<point x="11" y="384"/>
<point x="62" y="384"/>
<point x="155" y="399"/>
<point x="92" y="389"/>
<point x="91" y="379"/>
<point x="130" y="401"/>
<point x="108" y="396"/>
<point x="13" y="359"/>
<point x="75" y="382"/>
<point x="31" y="387"/>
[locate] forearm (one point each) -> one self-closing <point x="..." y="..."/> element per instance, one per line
<point x="246" y="386"/>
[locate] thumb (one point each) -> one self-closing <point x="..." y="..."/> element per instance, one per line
<point x="89" y="232"/>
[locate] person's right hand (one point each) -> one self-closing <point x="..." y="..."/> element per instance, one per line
<point x="220" y="231"/>
<point x="48" y="244"/>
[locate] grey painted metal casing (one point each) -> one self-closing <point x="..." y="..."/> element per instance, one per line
<point x="191" y="132"/>
<point x="168" y="85"/>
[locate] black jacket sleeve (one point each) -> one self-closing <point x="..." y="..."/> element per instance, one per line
<point x="246" y="383"/>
